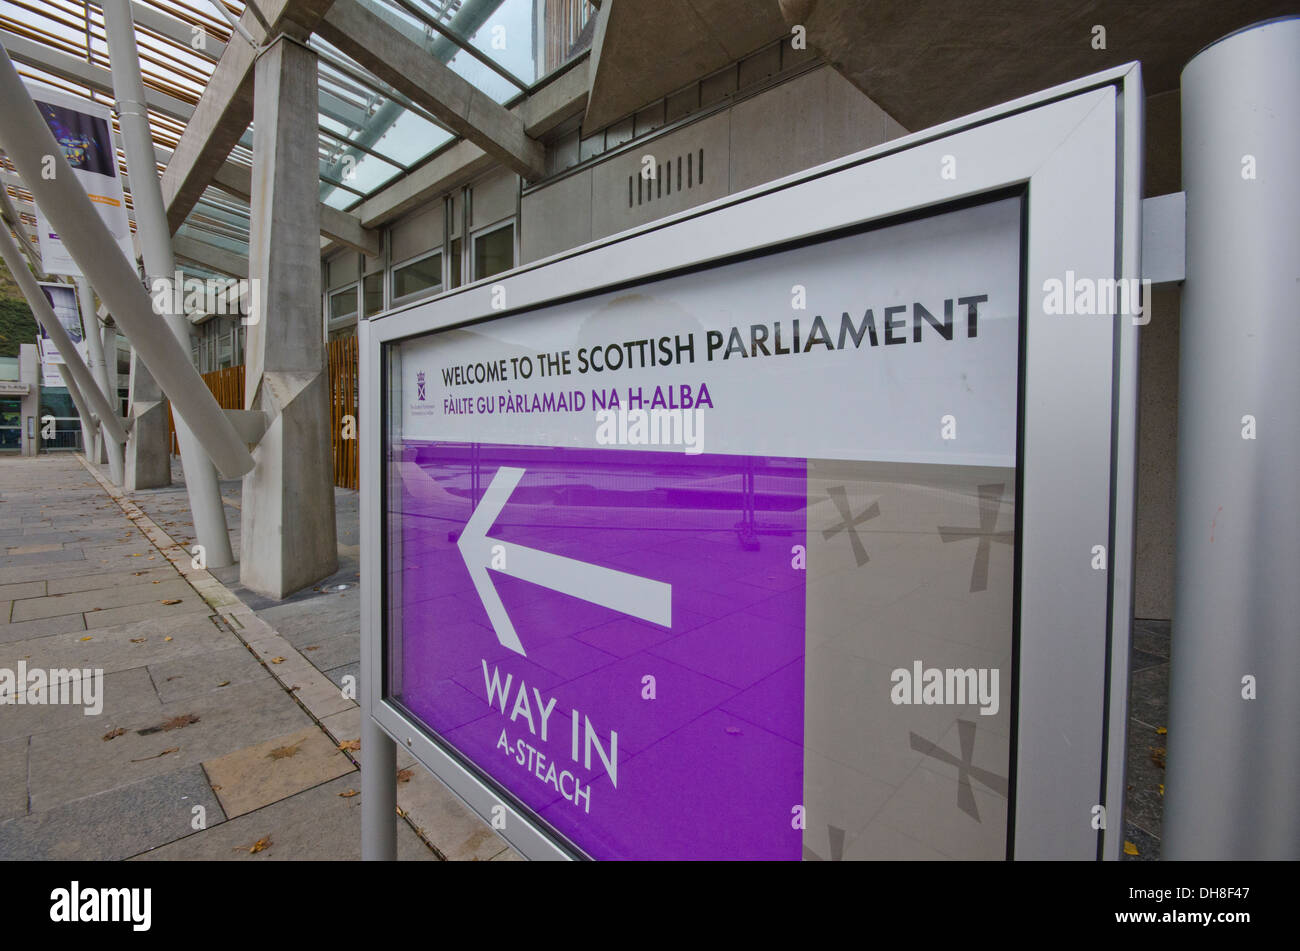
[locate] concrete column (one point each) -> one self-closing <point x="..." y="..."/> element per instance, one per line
<point x="287" y="530"/>
<point x="105" y="449"/>
<point x="29" y="372"/>
<point x="148" y="445"/>
<point x="1233" y="778"/>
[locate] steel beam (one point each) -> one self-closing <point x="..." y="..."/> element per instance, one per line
<point x="456" y="103"/>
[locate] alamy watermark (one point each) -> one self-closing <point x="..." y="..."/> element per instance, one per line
<point x="83" y="687"/>
<point x="948" y="686"/>
<point x="76" y="904"/>
<point x="1098" y="297"/>
<point x="213" y="296"/>
<point x="651" y="427"/>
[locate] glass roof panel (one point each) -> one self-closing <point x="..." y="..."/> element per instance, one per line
<point x="370" y="133"/>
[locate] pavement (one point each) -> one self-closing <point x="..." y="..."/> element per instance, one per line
<point x="198" y="720"/>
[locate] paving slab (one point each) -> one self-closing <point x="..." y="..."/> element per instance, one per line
<point x="42" y="558"/>
<point x="267" y="772"/>
<point x="318" y="824"/>
<point x="147" y="592"/>
<point x="228" y="720"/>
<point x="121" y="647"/>
<point x="151" y="611"/>
<point x="13" y="778"/>
<point x="42" y="627"/>
<point x="23" y="589"/>
<point x="109" y="579"/>
<point x="128" y="694"/>
<point x="116" y="823"/>
<point x="458" y="833"/>
<point x="330" y="652"/>
<point x="196" y="674"/>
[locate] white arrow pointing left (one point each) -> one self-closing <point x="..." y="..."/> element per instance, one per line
<point x="639" y="597"/>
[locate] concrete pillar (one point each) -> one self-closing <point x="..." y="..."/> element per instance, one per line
<point x="148" y="445"/>
<point x="106" y="450"/>
<point x="29" y="372"/>
<point x="287" y="530"/>
<point x="1234" y="748"/>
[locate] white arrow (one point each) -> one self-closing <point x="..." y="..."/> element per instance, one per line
<point x="640" y="597"/>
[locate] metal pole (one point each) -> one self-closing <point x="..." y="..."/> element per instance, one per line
<point x="78" y="401"/>
<point x="44" y="315"/>
<point x="99" y="367"/>
<point x="378" y="792"/>
<point x="201" y="483"/>
<point x="1233" y="779"/>
<point x="30" y="144"/>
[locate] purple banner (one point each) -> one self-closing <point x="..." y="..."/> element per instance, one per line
<point x="616" y="637"/>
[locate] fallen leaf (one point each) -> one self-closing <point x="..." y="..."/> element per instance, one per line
<point x="175" y="723"/>
<point x="170" y="749"/>
<point x="1130" y="848"/>
<point x="86" y="638"/>
<point x="314" y="647"/>
<point x="350" y="746"/>
<point x="277" y="660"/>
<point x="349" y="793"/>
<point x="734" y="731"/>
<point x="284" y="752"/>
<point x="159" y="581"/>
<point x="224" y="683"/>
<point x="167" y="638"/>
<point x="1162" y="789"/>
<point x="256" y="847"/>
<point x="1157" y="755"/>
<point x="400" y="812"/>
<point x="171" y="601"/>
<point x="1162" y="730"/>
<point x="114" y="733"/>
<point x="138" y="640"/>
<point x="404" y="775"/>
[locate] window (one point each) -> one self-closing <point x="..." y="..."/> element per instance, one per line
<point x="494" y="251"/>
<point x="344" y="303"/>
<point x="422" y="276"/>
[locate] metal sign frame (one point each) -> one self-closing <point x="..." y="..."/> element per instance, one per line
<point x="1076" y="153"/>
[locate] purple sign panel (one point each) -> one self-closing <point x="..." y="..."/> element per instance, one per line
<point x="615" y="637"/>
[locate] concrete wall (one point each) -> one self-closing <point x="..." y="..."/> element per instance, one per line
<point x="813" y="118"/>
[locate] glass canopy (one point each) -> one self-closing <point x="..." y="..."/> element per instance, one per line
<point x="369" y="134"/>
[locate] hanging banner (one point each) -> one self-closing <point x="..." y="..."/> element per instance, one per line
<point x="63" y="299"/>
<point x="84" y="130"/>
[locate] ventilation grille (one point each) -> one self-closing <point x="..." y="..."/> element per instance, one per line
<point x="679" y="174"/>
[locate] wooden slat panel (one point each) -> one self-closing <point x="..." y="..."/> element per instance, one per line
<point x="228" y="387"/>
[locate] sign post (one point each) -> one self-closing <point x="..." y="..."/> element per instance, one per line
<point x="798" y="525"/>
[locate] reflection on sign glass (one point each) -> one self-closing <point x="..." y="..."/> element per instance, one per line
<point x="693" y="571"/>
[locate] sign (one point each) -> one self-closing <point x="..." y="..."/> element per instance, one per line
<point x="84" y="130"/>
<point x="643" y="537"/>
<point x="793" y="526"/>
<point x="14" y="388"/>
<point x="63" y="299"/>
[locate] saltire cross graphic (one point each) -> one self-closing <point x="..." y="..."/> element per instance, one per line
<point x="990" y="505"/>
<point x="966" y="768"/>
